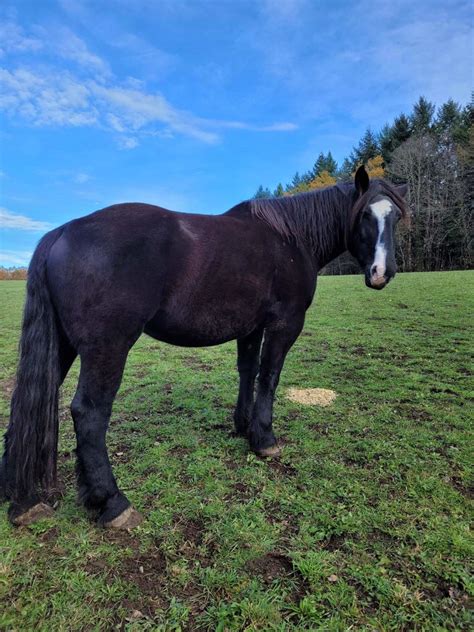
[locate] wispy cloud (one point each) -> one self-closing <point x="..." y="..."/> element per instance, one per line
<point x="15" y="257"/>
<point x="10" y="220"/>
<point x="81" y="178"/>
<point x="46" y="95"/>
<point x="73" y="48"/>
<point x="13" y="39"/>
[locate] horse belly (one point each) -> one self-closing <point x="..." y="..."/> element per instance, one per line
<point x="206" y="325"/>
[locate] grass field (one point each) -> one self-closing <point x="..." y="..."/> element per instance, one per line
<point x="362" y="523"/>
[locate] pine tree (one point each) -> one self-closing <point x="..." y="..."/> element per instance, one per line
<point x="279" y="191"/>
<point x="324" y="163"/>
<point x="262" y="193"/>
<point x="448" y="118"/>
<point x="392" y="136"/>
<point x="344" y="174"/>
<point x="331" y="164"/>
<point x="295" y="182"/>
<point x="401" y="130"/>
<point x="422" y="116"/>
<point x="367" y="148"/>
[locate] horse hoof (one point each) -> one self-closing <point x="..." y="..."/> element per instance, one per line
<point x="271" y="452"/>
<point x="37" y="512"/>
<point x="128" y="519"/>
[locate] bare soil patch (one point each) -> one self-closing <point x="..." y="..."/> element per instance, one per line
<point x="270" y="567"/>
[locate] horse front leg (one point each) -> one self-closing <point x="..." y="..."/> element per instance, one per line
<point x="91" y="408"/>
<point x="276" y="345"/>
<point x="248" y="350"/>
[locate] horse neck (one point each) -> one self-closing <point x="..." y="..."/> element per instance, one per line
<point x="333" y="226"/>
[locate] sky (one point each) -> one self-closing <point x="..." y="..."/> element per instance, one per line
<point x="192" y="104"/>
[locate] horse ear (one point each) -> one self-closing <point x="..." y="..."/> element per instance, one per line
<point x="361" y="180"/>
<point x="402" y="190"/>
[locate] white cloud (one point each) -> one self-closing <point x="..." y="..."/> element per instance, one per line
<point x="50" y="96"/>
<point x="71" y="47"/>
<point x="46" y="98"/>
<point x="127" y="142"/>
<point x="13" y="39"/>
<point x="15" y="257"/>
<point x="8" y="219"/>
<point x="81" y="178"/>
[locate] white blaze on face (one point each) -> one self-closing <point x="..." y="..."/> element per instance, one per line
<point x="380" y="211"/>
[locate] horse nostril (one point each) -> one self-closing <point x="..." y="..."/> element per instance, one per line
<point x="373" y="270"/>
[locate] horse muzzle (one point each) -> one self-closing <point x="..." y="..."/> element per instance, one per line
<point x="376" y="283"/>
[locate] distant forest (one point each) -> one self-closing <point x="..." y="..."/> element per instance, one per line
<point x="433" y="152"/>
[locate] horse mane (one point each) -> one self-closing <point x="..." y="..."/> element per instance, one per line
<point x="312" y="218"/>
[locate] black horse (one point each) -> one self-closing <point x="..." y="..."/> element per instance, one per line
<point x="98" y="282"/>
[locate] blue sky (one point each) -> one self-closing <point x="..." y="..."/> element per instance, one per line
<point x="192" y="104"/>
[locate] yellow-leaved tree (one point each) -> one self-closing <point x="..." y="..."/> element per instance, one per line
<point x="324" y="179"/>
<point x="375" y="167"/>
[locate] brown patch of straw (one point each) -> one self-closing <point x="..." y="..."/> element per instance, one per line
<point x="312" y="396"/>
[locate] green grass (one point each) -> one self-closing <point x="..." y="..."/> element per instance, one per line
<point x="362" y="524"/>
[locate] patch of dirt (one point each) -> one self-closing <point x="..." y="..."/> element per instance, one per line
<point x="270" y="567"/>
<point x="145" y="570"/>
<point x="49" y="536"/>
<point x="458" y="484"/>
<point x="276" y="566"/>
<point x="197" y="363"/>
<point x="285" y="469"/>
<point x="448" y="391"/>
<point x="193" y="532"/>
<point x="195" y="544"/>
<point x="7" y="385"/>
<point x="412" y="412"/>
<point x="335" y="542"/>
<point x="240" y="493"/>
<point x="312" y="396"/>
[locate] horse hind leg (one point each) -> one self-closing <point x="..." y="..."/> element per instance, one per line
<point x="99" y="381"/>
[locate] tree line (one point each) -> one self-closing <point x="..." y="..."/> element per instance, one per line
<point x="13" y="274"/>
<point x="432" y="151"/>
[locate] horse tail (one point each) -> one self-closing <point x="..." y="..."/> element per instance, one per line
<point x="31" y="440"/>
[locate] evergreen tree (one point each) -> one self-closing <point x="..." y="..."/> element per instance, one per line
<point x="464" y="133"/>
<point x="367" y="148"/>
<point x="401" y="130"/>
<point x="319" y="165"/>
<point x="422" y="116"/>
<point x="331" y="164"/>
<point x="386" y="141"/>
<point x="279" y="191"/>
<point x="295" y="183"/>
<point x="448" y="118"/>
<point x="392" y="136"/>
<point x="262" y="193"/>
<point x="324" y="163"/>
<point x="344" y="174"/>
